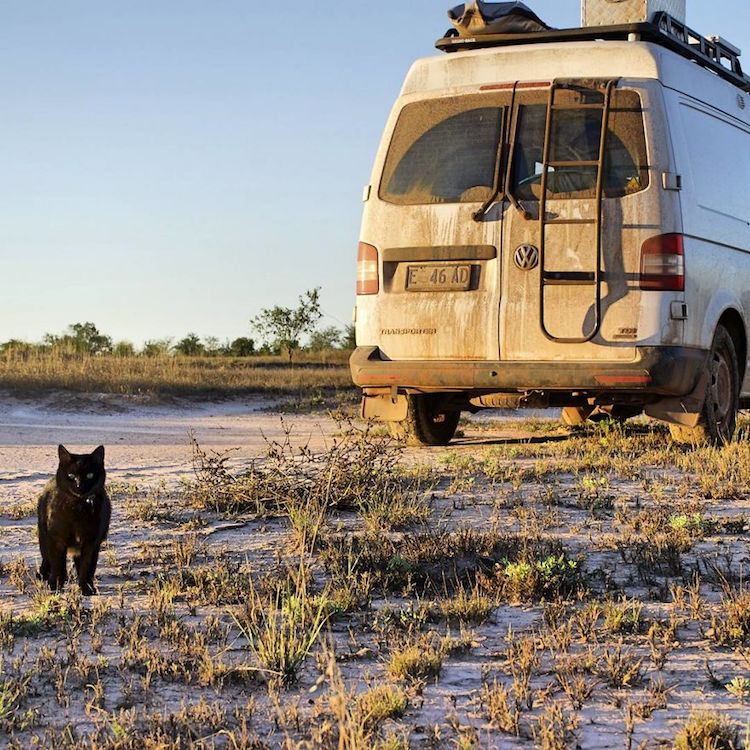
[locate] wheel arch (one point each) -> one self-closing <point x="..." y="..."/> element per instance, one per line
<point x="726" y="309"/>
<point x="735" y="325"/>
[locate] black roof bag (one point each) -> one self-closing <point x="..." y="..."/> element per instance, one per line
<point x="478" y="17"/>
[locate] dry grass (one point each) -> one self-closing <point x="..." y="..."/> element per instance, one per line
<point x="706" y="732"/>
<point x="308" y="379"/>
<point x="510" y="567"/>
<point x="422" y="659"/>
<point x="355" y="719"/>
<point x="359" y="471"/>
<point x="283" y="626"/>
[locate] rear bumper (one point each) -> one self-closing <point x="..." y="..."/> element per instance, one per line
<point x="656" y="370"/>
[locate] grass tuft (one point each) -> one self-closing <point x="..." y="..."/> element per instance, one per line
<point x="283" y="626"/>
<point x="705" y="731"/>
<point x="414" y="661"/>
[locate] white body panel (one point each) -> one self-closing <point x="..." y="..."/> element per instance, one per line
<point x="711" y="138"/>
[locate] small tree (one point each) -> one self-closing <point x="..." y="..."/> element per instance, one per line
<point x="267" y="350"/>
<point x="123" y="349"/>
<point x="241" y="347"/>
<point x="81" y="339"/>
<point x="190" y="346"/>
<point x="285" y="325"/>
<point x="328" y="338"/>
<point x="212" y="346"/>
<point x="349" y="339"/>
<point x="156" y="347"/>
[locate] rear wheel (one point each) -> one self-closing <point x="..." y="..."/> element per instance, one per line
<point x="426" y="423"/>
<point x="718" y="417"/>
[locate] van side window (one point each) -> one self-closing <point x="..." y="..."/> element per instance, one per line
<point x="575" y="137"/>
<point x="444" y="151"/>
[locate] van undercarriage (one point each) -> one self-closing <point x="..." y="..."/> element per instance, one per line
<point x="656" y="372"/>
<point x="668" y="383"/>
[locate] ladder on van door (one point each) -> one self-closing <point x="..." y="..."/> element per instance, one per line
<point x="573" y="277"/>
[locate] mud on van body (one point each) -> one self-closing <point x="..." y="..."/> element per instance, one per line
<point x="562" y="223"/>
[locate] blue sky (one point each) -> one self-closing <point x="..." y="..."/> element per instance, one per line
<point x="173" y="165"/>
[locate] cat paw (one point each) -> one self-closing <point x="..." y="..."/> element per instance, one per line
<point x="88" y="589"/>
<point x="56" y="586"/>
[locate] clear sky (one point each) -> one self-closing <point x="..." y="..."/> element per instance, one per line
<point x="176" y="165"/>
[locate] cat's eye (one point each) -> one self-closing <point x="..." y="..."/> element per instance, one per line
<point x="89" y="476"/>
<point x="72" y="477"/>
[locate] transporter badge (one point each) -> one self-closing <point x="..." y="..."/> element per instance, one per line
<point x="526" y="257"/>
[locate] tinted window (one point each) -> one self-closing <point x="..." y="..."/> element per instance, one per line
<point x="443" y="151"/>
<point x="576" y="135"/>
<point x="446" y="150"/>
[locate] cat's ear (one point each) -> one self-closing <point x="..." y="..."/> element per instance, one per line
<point x="98" y="454"/>
<point x="63" y="453"/>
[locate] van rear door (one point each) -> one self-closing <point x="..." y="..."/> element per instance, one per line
<point x="574" y="224"/>
<point x="441" y="281"/>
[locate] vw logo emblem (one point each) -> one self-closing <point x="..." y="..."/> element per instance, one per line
<point x="526" y="257"/>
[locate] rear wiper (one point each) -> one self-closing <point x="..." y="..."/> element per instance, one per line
<point x="517" y="204"/>
<point x="485" y="207"/>
<point x="480" y="213"/>
<point x="507" y="193"/>
<point x="509" y="166"/>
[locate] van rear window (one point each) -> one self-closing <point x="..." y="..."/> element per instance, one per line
<point x="446" y="150"/>
<point x="575" y="137"/>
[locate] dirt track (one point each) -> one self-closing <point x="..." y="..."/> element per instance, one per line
<point x="144" y="443"/>
<point x="148" y="443"/>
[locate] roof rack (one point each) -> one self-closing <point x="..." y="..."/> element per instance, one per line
<point x="712" y="53"/>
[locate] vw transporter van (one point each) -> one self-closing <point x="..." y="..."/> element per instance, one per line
<point x="561" y="219"/>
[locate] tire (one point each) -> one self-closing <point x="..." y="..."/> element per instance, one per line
<point x="424" y="424"/>
<point x="718" y="418"/>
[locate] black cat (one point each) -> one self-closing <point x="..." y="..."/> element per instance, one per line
<point x="73" y="514"/>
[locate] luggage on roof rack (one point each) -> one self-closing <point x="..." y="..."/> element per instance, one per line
<point x="713" y="53"/>
<point x="478" y="17"/>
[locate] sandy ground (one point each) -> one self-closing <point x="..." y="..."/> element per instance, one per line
<point x="144" y="443"/>
<point x="149" y="446"/>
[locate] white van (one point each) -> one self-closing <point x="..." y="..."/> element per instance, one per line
<point x="564" y="217"/>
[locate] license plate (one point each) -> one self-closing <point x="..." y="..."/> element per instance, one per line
<point x="438" y="278"/>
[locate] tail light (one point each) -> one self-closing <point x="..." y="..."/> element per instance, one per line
<point x="368" y="281"/>
<point x="663" y="264"/>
